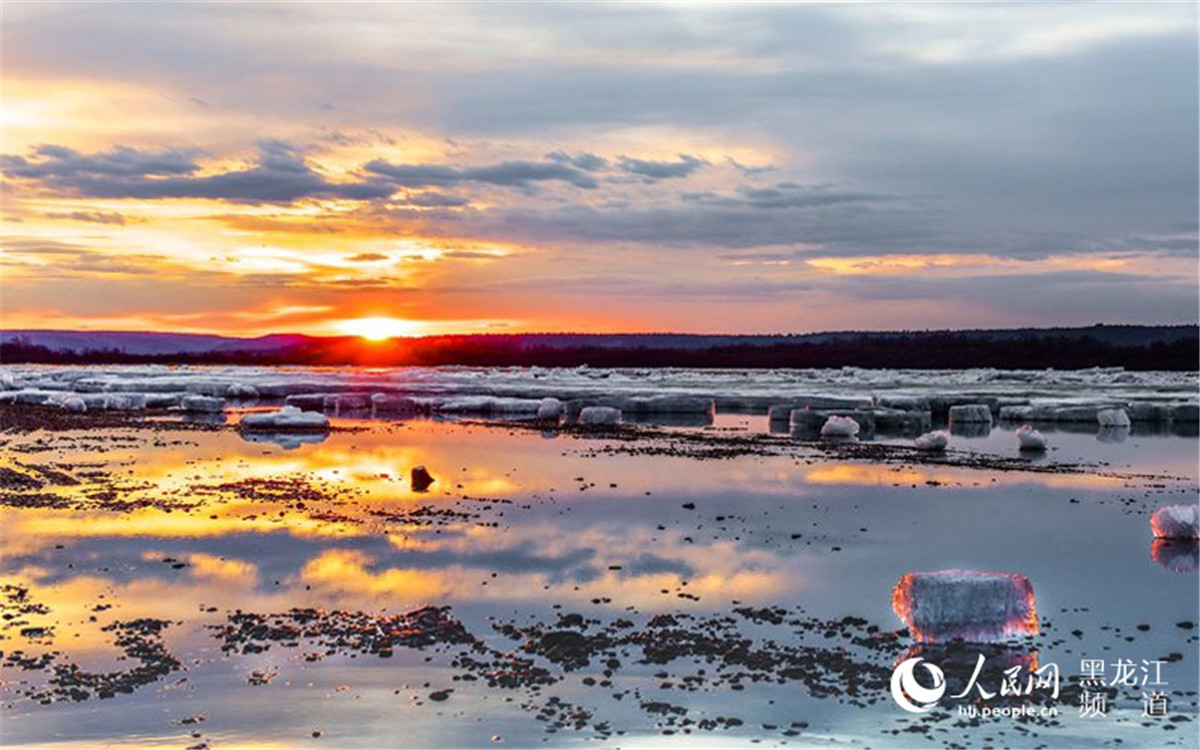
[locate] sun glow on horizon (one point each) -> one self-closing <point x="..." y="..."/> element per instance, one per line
<point x="378" y="328"/>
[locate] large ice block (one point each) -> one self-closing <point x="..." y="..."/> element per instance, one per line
<point x="551" y="409"/>
<point x="971" y="605"/>
<point x="287" y="418"/>
<point x="1176" y="522"/>
<point x="1030" y="439"/>
<point x="970" y="413"/>
<point x="1112" y="418"/>
<point x="599" y="415"/>
<point x="932" y="441"/>
<point x="843" y="427"/>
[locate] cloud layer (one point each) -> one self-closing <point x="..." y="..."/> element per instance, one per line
<point x="532" y="163"/>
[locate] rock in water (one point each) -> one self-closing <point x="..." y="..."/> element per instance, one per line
<point x="932" y="441"/>
<point x="970" y="413"/>
<point x="975" y="606"/>
<point x="551" y="410"/>
<point x="1176" y="522"/>
<point x="600" y="415"/>
<point x="288" y="418"/>
<point x="836" y="426"/>
<point x="1030" y="439"/>
<point x="421" y="479"/>
<point x="1112" y="418"/>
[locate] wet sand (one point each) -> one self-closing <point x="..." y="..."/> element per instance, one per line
<point x="174" y="584"/>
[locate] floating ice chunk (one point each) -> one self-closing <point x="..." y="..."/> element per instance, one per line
<point x="910" y="421"/>
<point x="241" y="391"/>
<point x="932" y="441"/>
<point x="970" y="413"/>
<point x="339" y="402"/>
<point x="1030" y="439"/>
<point x="125" y="401"/>
<point x="73" y="403"/>
<point x="307" y="400"/>
<point x="842" y="427"/>
<point x="1184" y="412"/>
<point x="488" y="405"/>
<point x="1017" y="413"/>
<point x="551" y="410"/>
<point x="206" y="404"/>
<point x="1112" y="418"/>
<point x="287" y="418"/>
<point x="163" y="400"/>
<point x="599" y="415"/>
<point x="1176" y="522"/>
<point x="903" y="403"/>
<point x="388" y="403"/>
<point x="975" y="606"/>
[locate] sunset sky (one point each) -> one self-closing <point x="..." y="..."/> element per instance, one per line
<point x="272" y="167"/>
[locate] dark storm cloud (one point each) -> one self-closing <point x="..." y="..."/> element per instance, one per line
<point x="520" y="174"/>
<point x="281" y="175"/>
<point x="50" y="162"/>
<point x="661" y="170"/>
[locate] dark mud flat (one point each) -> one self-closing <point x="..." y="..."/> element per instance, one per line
<point x="175" y="585"/>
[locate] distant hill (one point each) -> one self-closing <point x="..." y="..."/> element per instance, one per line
<point x="1132" y="347"/>
<point x="148" y="343"/>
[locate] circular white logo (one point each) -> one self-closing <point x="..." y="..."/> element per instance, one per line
<point x="911" y="695"/>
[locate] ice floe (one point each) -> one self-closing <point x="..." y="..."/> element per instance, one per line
<point x="1029" y="439"/>
<point x="1112" y="418"/>
<point x="202" y="404"/>
<point x="970" y="413"/>
<point x="839" y="427"/>
<point x="551" y="409"/>
<point x="1176" y="522"/>
<point x="599" y="415"/>
<point x="932" y="441"/>
<point x="287" y="418"/>
<point x="895" y="397"/>
<point x="976" y="606"/>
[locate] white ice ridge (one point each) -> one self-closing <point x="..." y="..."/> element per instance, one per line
<point x="1017" y="395"/>
<point x="1176" y="522"/>
<point x="972" y="605"/>
<point x="287" y="418"/>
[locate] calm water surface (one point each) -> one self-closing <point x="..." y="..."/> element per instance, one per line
<point x="548" y="525"/>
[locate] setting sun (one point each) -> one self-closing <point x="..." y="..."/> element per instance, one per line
<point x="378" y="328"/>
